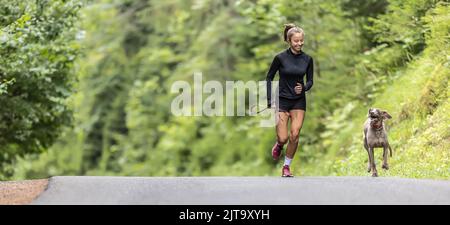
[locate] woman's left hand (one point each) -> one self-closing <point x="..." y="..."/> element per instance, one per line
<point x="298" y="89"/>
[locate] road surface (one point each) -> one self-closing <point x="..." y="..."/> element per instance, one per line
<point x="243" y="191"/>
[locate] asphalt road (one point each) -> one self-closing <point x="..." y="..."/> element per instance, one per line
<point x="243" y="191"/>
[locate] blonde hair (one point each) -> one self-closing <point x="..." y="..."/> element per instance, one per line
<point x="290" y="29"/>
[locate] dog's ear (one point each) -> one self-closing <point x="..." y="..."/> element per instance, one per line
<point x="386" y="115"/>
<point x="368" y="112"/>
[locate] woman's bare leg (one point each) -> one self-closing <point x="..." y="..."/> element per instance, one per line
<point x="297" y="117"/>
<point x="282" y="127"/>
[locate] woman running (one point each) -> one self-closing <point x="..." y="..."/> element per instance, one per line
<point x="293" y="64"/>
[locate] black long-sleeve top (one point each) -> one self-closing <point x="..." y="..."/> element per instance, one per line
<point x="292" y="69"/>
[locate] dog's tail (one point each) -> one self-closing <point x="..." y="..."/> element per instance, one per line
<point x="390" y="150"/>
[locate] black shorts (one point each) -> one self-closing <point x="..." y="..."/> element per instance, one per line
<point x="286" y="104"/>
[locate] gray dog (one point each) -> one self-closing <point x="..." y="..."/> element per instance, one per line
<point x="375" y="136"/>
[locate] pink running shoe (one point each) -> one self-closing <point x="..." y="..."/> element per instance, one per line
<point x="276" y="151"/>
<point x="286" y="172"/>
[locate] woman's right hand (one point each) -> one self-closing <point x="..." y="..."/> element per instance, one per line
<point x="298" y="89"/>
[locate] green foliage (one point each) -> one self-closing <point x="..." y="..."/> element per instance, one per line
<point x="37" y="50"/>
<point x="389" y="54"/>
<point x="417" y="98"/>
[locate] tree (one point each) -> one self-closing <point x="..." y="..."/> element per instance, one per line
<point x="37" y="48"/>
